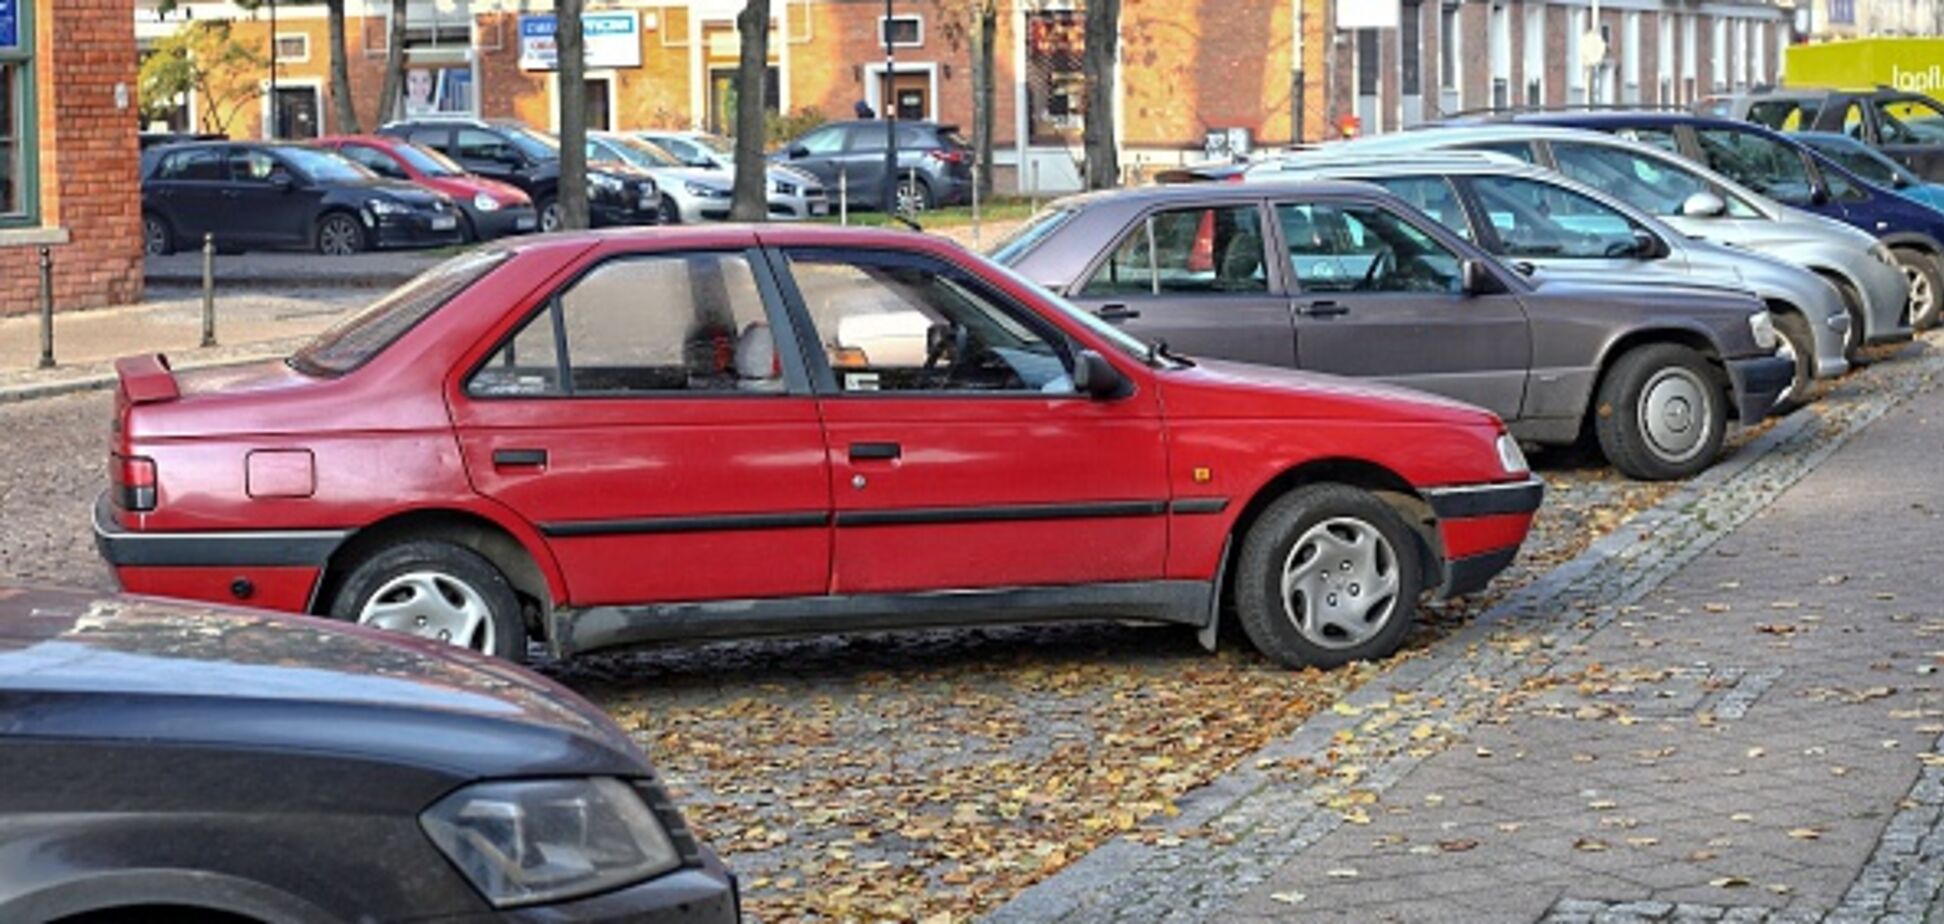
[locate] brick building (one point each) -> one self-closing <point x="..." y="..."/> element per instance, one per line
<point x="68" y="153"/>
<point x="1190" y="68"/>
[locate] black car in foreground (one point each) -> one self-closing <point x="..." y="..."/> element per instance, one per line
<point x="171" y="762"/>
<point x="262" y="196"/>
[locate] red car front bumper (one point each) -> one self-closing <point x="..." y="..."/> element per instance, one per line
<point x="1480" y="529"/>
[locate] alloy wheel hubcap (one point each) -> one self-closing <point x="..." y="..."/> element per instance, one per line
<point x="1340" y="583"/>
<point x="434" y="605"/>
<point x="1786" y="350"/>
<point x="550" y="219"/>
<point x="910" y="200"/>
<point x="1674" y="414"/>
<point x="337" y="237"/>
<point x="1921" y="296"/>
<point x="157" y="238"/>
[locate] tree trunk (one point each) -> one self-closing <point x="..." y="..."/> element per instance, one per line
<point x="985" y="35"/>
<point x="751" y="201"/>
<point x="394" y="87"/>
<point x="347" y="109"/>
<point x="572" y="87"/>
<point x="1097" y="65"/>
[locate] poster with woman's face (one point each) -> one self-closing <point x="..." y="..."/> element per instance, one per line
<point x="431" y="90"/>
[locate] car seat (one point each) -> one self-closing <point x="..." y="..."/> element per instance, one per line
<point x="758" y="366"/>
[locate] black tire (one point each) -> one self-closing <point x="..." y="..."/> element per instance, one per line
<point x="468" y="232"/>
<point x="1926" y="286"/>
<point x="393" y="569"/>
<point x="1660" y="384"/>
<point x="547" y="215"/>
<point x="1795" y="331"/>
<point x="1853" y="305"/>
<point x="667" y="212"/>
<point x="1282" y="534"/>
<point x="339" y="234"/>
<point x="915" y="196"/>
<point x="158" y="238"/>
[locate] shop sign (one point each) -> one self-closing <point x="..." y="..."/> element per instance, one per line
<point x="612" y="39"/>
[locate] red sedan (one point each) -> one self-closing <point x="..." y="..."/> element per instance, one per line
<point x="490" y="208"/>
<point x="687" y="434"/>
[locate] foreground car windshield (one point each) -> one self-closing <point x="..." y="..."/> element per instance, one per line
<point x="352" y="342"/>
<point x="1132" y="346"/>
<point x="1027" y="236"/>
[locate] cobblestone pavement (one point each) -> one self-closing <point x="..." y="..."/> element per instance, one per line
<point x="1725" y="710"/>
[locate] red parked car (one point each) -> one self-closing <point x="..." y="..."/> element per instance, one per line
<point x="687" y="434"/>
<point x="489" y="208"/>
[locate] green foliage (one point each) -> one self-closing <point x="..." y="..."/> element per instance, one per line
<point x="779" y="127"/>
<point x="201" y="57"/>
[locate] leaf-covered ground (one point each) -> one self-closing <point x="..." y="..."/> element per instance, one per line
<point x="929" y="776"/>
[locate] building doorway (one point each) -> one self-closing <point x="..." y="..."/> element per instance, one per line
<point x="909" y="93"/>
<point x="295" y="111"/>
<point x="722" y="97"/>
<point x="599" y="115"/>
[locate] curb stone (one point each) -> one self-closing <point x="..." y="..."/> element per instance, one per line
<point x="1265" y="821"/>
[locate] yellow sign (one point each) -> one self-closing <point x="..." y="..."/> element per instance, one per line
<point x="1914" y="65"/>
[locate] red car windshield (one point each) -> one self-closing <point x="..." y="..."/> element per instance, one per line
<point x="352" y="342"/>
<point x="427" y="161"/>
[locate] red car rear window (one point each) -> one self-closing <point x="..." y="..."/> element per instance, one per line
<point x="352" y="342"/>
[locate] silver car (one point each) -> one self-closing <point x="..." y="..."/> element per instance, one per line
<point x="793" y="193"/>
<point x="1697" y="202"/>
<point x="1533" y="216"/>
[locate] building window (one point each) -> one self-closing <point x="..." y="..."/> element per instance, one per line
<point x="1842" y="11"/>
<point x="901" y="31"/>
<point x="1369" y="62"/>
<point x="1411" y="40"/>
<point x="1450" y="44"/>
<point x="1501" y="54"/>
<point x="17" y="141"/>
<point x="293" y="48"/>
<point x="1535" y="54"/>
<point x="1056" y="85"/>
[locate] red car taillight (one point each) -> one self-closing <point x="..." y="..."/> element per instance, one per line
<point x="133" y="482"/>
<point x="948" y="155"/>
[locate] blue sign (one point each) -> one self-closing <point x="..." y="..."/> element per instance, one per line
<point x="9" y="23"/>
<point x="612" y="39"/>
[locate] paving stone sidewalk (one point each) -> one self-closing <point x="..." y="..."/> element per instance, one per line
<point x="1726" y="710"/>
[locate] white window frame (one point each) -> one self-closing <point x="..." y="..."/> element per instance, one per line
<point x="1718" y="55"/>
<point x="884" y="26"/>
<point x="874" y="82"/>
<point x="292" y="59"/>
<point x="1630" y="90"/>
<point x="1535" y="51"/>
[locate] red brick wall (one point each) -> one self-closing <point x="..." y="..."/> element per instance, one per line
<point x="88" y="160"/>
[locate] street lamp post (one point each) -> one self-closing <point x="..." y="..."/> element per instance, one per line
<point x="888" y="100"/>
<point x="273" y="128"/>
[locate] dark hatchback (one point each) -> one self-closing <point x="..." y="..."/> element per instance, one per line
<point x="173" y="762"/>
<point x="934" y="163"/>
<point x="281" y="196"/>
<point x="1909" y="127"/>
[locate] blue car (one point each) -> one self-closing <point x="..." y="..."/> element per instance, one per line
<point x="1873" y="165"/>
<point x="1794" y="174"/>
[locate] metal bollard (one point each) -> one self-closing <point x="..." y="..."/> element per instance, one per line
<point x="911" y="182"/>
<point x="47" y="308"/>
<point x="843" y="197"/>
<point x="975" y="202"/>
<point x="1035" y="198"/>
<point x="209" y="291"/>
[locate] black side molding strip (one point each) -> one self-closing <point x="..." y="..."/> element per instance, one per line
<point x="916" y="515"/>
<point x="1486" y="499"/>
<point x="1194" y="505"/>
<point x="696" y="524"/>
<point x="212" y="549"/>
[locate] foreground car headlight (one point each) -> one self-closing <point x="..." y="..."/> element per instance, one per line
<point x="1883" y="255"/>
<point x="485" y="203"/>
<point x="601" y="182"/>
<point x="387" y="207"/>
<point x="1762" y="325"/>
<point x="706" y="192"/>
<point x="533" y="841"/>
<point x="1511" y="458"/>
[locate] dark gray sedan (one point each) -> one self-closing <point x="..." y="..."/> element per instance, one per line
<point x="170" y="762"/>
<point x="1345" y="278"/>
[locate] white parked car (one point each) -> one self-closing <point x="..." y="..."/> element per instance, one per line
<point x="793" y="193"/>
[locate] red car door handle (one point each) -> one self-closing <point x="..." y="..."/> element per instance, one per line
<point x="519" y="458"/>
<point x="877" y="451"/>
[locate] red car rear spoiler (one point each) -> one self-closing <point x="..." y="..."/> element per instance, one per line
<point x="146" y="379"/>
